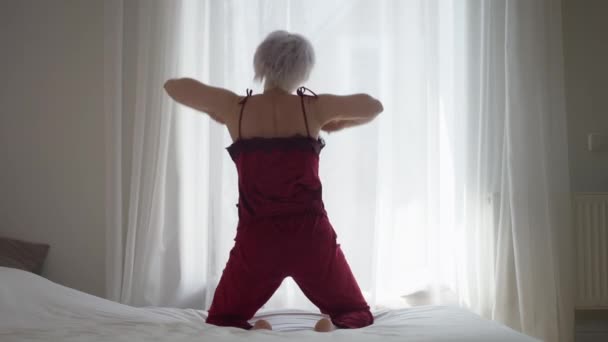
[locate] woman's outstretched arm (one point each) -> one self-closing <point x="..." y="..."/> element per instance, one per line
<point x="339" y="112"/>
<point x="217" y="102"/>
<point x="337" y="125"/>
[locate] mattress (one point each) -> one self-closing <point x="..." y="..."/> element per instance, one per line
<point x="35" y="309"/>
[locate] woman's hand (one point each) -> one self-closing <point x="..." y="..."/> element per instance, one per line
<point x="334" y="126"/>
<point x="339" y="124"/>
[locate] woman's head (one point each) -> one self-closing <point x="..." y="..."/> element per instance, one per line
<point x="283" y="60"/>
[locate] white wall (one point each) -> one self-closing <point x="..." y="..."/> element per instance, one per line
<point x="51" y="134"/>
<point x="586" y="61"/>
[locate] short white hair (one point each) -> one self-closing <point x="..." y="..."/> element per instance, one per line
<point x="284" y="60"/>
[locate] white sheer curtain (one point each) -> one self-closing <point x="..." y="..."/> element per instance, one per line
<point x="456" y="194"/>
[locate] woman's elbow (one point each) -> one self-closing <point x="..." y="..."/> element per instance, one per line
<point x="376" y="106"/>
<point x="175" y="89"/>
<point x="379" y="107"/>
<point x="170" y="84"/>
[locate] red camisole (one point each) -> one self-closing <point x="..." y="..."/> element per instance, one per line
<point x="278" y="176"/>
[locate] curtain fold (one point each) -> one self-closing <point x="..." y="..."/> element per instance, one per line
<point x="150" y="247"/>
<point x="457" y="194"/>
<point x="113" y="42"/>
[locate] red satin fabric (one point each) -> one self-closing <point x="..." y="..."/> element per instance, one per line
<point x="283" y="232"/>
<point x="278" y="176"/>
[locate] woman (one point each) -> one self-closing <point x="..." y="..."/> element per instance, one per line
<point x="283" y="228"/>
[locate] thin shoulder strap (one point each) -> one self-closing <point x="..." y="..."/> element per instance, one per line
<point x="242" y="103"/>
<point x="301" y="93"/>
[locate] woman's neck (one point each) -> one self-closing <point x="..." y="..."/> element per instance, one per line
<point x="275" y="90"/>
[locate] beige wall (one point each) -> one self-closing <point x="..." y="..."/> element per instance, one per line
<point x="586" y="62"/>
<point x="129" y="69"/>
<point x="52" y="134"/>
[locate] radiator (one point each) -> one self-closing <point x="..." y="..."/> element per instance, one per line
<point x="591" y="233"/>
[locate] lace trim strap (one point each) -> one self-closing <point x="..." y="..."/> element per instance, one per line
<point x="242" y="103"/>
<point x="301" y="93"/>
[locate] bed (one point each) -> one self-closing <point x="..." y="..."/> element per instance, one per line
<point x="33" y="308"/>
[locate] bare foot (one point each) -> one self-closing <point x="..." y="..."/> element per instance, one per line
<point x="262" y="324"/>
<point x="324" y="325"/>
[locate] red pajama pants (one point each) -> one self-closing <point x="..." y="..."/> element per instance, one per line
<point x="302" y="247"/>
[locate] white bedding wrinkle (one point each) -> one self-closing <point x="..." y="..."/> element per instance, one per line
<point x="35" y="309"/>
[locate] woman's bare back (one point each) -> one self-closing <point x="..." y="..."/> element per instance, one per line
<point x="275" y="114"/>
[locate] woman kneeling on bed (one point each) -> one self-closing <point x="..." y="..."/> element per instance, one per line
<point x="283" y="228"/>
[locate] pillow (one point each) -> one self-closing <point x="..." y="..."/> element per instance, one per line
<point x="23" y="255"/>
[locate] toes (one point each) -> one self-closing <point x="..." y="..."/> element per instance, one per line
<point x="324" y="325"/>
<point x="262" y="324"/>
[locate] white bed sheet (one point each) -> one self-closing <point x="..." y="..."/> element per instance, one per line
<point x="35" y="309"/>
